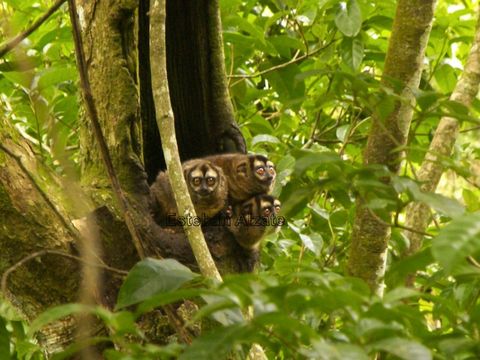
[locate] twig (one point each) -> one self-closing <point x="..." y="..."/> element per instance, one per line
<point x="44" y="196"/>
<point x="20" y="37"/>
<point x="472" y="261"/>
<point x="30" y="257"/>
<point x="283" y="65"/>
<point x="397" y="225"/>
<point x="125" y="207"/>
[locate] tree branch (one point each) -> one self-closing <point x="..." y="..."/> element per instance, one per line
<point x="125" y="207"/>
<point x="283" y="65"/>
<point x="7" y="47"/>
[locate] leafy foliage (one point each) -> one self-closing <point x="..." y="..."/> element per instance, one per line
<point x="304" y="77"/>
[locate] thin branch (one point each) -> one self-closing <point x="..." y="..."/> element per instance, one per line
<point x="125" y="207"/>
<point x="397" y="225"/>
<point x="11" y="44"/>
<point x="30" y="257"/>
<point x="283" y="65"/>
<point x="473" y="262"/>
<point x="44" y="196"/>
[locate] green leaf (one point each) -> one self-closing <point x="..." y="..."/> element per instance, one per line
<point x="57" y="313"/>
<point x="404" y="349"/>
<point x="168" y="298"/>
<point x="323" y="350"/>
<point x="265" y="138"/>
<point x="471" y="200"/>
<point x="457" y="240"/>
<point x="150" y="277"/>
<point x="308" y="159"/>
<point x="349" y="18"/>
<point x="352" y="52"/>
<point x="400" y="293"/>
<point x="56" y="75"/>
<point x="218" y="343"/>
<point x="446" y="78"/>
<point x="23" y="79"/>
<point x="440" y="203"/>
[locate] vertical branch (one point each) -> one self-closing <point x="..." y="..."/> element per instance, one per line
<point x="166" y="126"/>
<point x="418" y="214"/>
<point x="125" y="207"/>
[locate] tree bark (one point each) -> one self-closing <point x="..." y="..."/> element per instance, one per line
<point x="411" y="29"/>
<point x="108" y="33"/>
<point x="31" y="222"/>
<point x="418" y="214"/>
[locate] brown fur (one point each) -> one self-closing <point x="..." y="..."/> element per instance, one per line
<point x="250" y="220"/>
<point x="242" y="176"/>
<point x="207" y="200"/>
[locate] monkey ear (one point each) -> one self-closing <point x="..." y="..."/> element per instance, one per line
<point x="242" y="168"/>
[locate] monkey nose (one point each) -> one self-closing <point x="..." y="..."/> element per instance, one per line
<point x="204" y="192"/>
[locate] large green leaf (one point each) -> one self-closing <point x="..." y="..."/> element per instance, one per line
<point x="349" y="18"/>
<point x="404" y="349"/>
<point x="150" y="277"/>
<point x="457" y="240"/>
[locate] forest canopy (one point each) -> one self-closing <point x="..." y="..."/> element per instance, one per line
<point x="367" y="108"/>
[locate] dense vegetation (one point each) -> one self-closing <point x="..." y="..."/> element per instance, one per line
<point x="304" y="78"/>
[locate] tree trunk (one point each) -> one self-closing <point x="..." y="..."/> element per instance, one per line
<point x="418" y="214"/>
<point x="411" y="29"/>
<point x="108" y="33"/>
<point x="30" y="223"/>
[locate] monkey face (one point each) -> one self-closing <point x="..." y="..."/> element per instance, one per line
<point x="257" y="174"/>
<point x="207" y="186"/>
<point x="253" y="219"/>
<point x="259" y="208"/>
<point x="264" y="170"/>
<point x="203" y="180"/>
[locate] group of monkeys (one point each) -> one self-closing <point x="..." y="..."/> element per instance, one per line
<point x="235" y="187"/>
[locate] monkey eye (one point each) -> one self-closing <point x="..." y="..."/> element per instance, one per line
<point x="271" y="170"/>
<point x="196" y="181"/>
<point x="210" y="181"/>
<point x="277" y="209"/>
<point x="267" y="212"/>
<point x="261" y="171"/>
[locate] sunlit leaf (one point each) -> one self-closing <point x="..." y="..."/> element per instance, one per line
<point x="349" y="18"/>
<point x="150" y="277"/>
